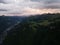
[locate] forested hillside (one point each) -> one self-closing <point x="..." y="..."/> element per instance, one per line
<point x="35" y="30"/>
<point x="8" y="21"/>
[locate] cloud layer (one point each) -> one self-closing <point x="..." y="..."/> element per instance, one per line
<point x="27" y="7"/>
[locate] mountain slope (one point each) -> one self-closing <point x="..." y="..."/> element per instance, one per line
<point x="35" y="31"/>
<point x="8" y="21"/>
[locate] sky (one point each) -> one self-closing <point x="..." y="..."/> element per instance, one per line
<point x="28" y="7"/>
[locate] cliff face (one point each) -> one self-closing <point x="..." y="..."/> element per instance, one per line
<point x="33" y="32"/>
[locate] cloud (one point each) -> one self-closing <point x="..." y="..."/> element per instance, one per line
<point x="28" y="6"/>
<point x="51" y="1"/>
<point x="35" y="0"/>
<point x="52" y="7"/>
<point x="1" y="1"/>
<point x="53" y="4"/>
<point x="3" y="10"/>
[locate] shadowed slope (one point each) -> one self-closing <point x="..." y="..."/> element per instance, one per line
<point x="33" y="32"/>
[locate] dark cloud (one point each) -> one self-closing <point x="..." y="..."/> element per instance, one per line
<point x="36" y="0"/>
<point x="53" y="4"/>
<point x="51" y="1"/>
<point x="3" y="10"/>
<point x="2" y="1"/>
<point x="52" y="7"/>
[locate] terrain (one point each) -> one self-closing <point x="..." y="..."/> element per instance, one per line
<point x="35" y="30"/>
<point x="8" y="21"/>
